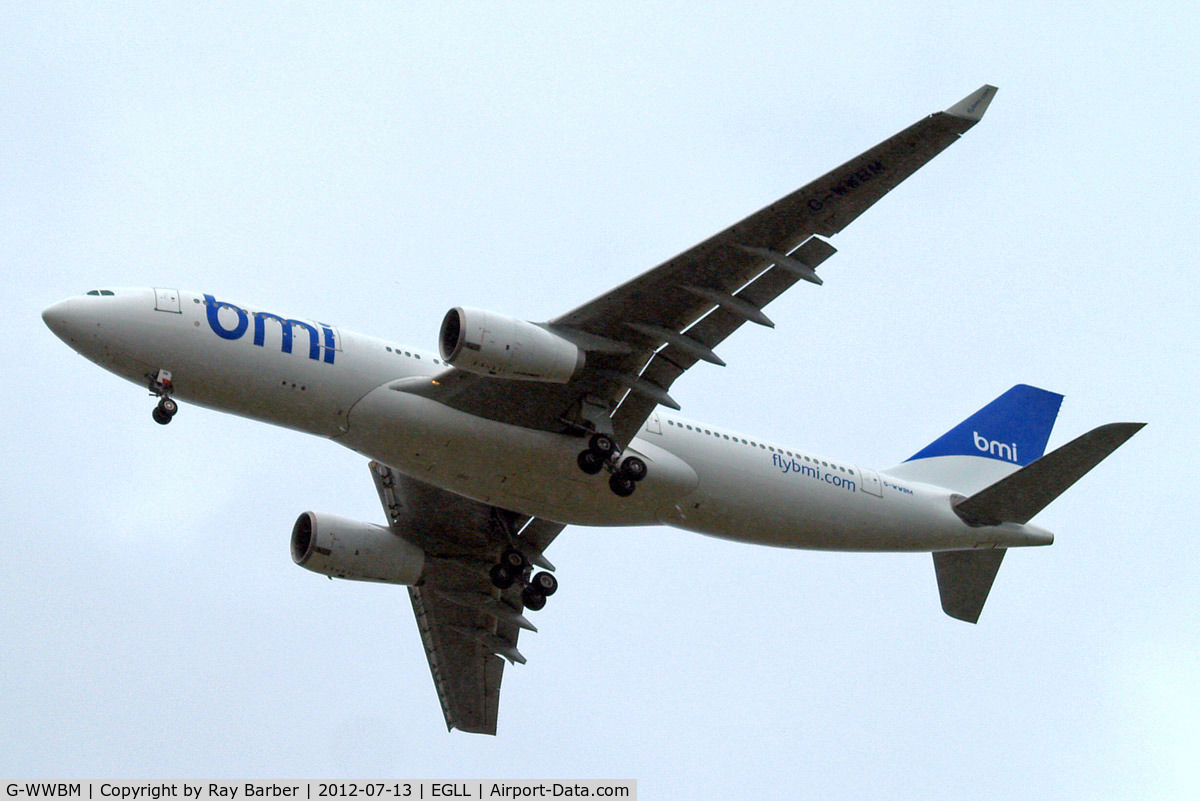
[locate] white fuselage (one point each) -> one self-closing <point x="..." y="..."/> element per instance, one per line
<point x="343" y="386"/>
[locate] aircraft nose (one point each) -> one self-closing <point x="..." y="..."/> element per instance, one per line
<point x="60" y="319"/>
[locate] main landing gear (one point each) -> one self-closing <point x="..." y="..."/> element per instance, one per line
<point x="602" y="452"/>
<point x="512" y="568"/>
<point x="161" y="386"/>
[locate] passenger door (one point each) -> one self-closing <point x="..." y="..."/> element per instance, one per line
<point x="167" y="300"/>
<point x="870" y="482"/>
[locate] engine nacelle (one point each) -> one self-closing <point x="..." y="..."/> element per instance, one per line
<point x="487" y="343"/>
<point x="335" y="546"/>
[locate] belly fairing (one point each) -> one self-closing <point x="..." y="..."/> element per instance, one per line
<point x="528" y="471"/>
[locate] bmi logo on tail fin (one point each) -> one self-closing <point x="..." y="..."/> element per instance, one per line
<point x="1013" y="428"/>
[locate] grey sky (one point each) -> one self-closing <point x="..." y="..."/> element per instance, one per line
<point x="373" y="167"/>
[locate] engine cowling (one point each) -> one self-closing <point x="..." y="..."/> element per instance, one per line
<point x="348" y="549"/>
<point x="487" y="343"/>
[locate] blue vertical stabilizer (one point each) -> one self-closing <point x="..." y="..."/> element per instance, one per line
<point x="1014" y="428"/>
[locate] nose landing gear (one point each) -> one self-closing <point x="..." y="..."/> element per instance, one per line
<point x="161" y="386"/>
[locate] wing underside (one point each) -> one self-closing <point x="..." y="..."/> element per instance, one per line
<point x="468" y="627"/>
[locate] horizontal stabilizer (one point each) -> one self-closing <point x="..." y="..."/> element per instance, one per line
<point x="1019" y="496"/>
<point x="964" y="580"/>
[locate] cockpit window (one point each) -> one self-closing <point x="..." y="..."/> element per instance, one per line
<point x="105" y="292"/>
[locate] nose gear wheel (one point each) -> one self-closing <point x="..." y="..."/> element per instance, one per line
<point x="161" y="386"/>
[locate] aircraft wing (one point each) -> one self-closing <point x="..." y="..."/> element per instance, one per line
<point x="468" y="627"/>
<point x="648" y="331"/>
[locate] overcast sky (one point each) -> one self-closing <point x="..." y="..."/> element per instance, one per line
<point x="375" y="166"/>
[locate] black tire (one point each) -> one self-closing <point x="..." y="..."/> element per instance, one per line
<point x="168" y="406"/>
<point x="602" y="445"/>
<point x="633" y="468"/>
<point x="589" y="462"/>
<point x="160" y="417"/>
<point x="621" y="486"/>
<point x="502" y="578"/>
<point x="514" y="560"/>
<point x="532" y="599"/>
<point x="544" y="583"/>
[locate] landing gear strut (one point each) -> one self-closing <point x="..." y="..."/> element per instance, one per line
<point x="161" y="386"/>
<point x="513" y="567"/>
<point x="602" y="451"/>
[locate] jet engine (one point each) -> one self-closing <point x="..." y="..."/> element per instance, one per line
<point x="341" y="548"/>
<point x="491" y="344"/>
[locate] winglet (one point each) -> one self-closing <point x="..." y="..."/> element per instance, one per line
<point x="973" y="105"/>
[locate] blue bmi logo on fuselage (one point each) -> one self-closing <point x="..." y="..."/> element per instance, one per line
<point x="315" y="344"/>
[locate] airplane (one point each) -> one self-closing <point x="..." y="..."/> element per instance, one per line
<point x="483" y="452"/>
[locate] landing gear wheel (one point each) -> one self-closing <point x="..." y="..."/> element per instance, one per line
<point x="168" y="407"/>
<point x="622" y="486"/>
<point x="532" y="599"/>
<point x="502" y="578"/>
<point x="513" y="559"/>
<point x="602" y="445"/>
<point x="589" y="462"/>
<point x="160" y="417"/>
<point x="544" y="583"/>
<point x="633" y="468"/>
